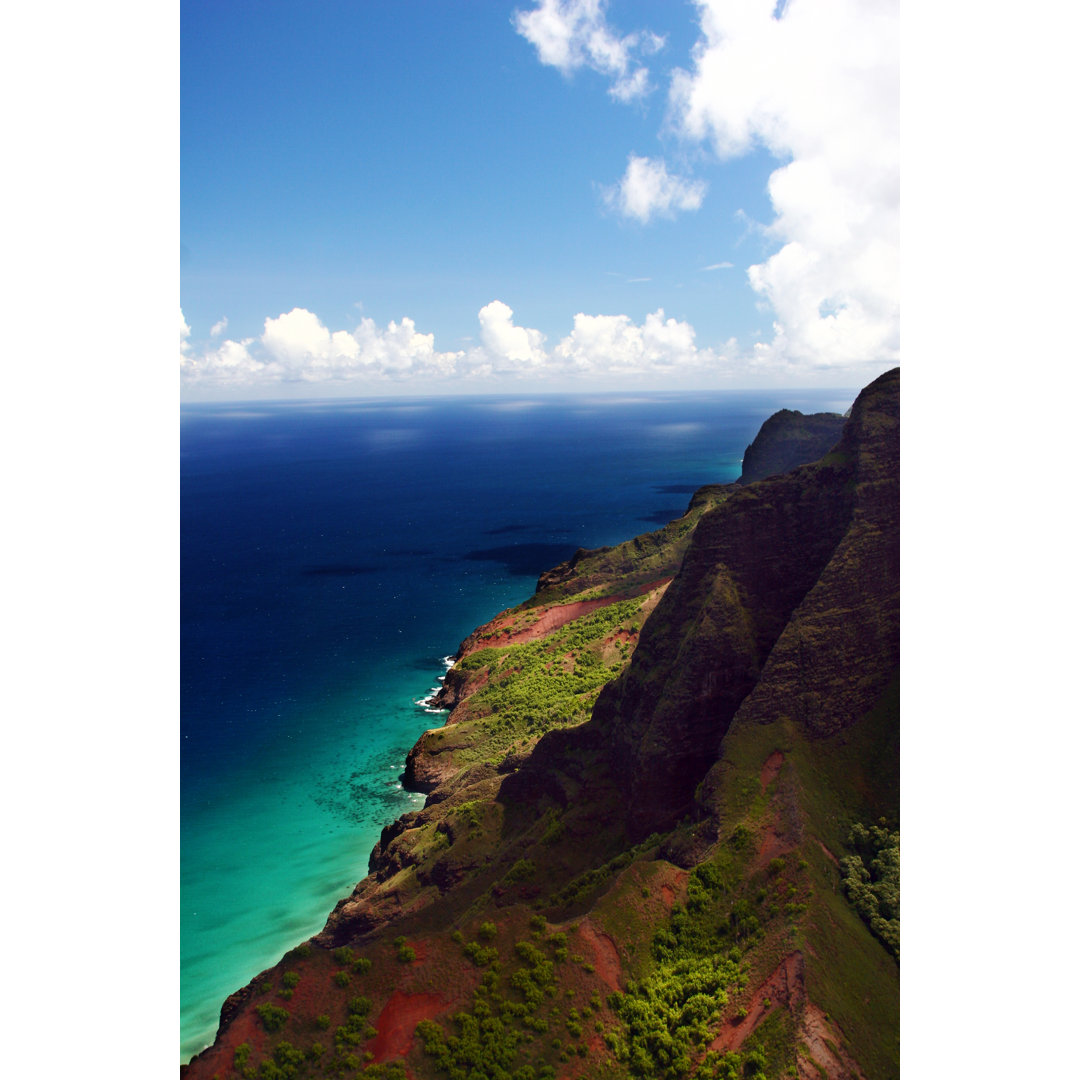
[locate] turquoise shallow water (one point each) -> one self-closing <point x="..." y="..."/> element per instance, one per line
<point x="272" y="854"/>
<point x="331" y="555"/>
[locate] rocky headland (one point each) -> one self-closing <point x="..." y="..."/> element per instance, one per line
<point x="660" y="834"/>
<point x="789" y="439"/>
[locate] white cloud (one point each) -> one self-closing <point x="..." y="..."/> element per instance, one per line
<point x="719" y="266"/>
<point x="609" y="343"/>
<point x="300" y="344"/>
<point x="834" y="282"/>
<point x="229" y="365"/>
<point x="571" y="34"/>
<point x="648" y="189"/>
<point x="633" y="85"/>
<point x="296" y="347"/>
<point x="507" y="347"/>
<point x="219" y="328"/>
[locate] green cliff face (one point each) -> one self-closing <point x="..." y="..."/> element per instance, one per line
<point x="660" y="835"/>
<point x="789" y="439"/>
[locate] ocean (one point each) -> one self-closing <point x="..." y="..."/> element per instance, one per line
<point x="333" y="555"/>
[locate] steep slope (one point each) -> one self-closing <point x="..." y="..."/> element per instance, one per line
<point x="789" y="439"/>
<point x="654" y="885"/>
<point x="820" y="543"/>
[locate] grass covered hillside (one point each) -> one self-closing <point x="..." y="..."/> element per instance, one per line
<point x="661" y="833"/>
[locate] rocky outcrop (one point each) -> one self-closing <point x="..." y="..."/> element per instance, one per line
<point x="795" y="577"/>
<point x="789" y="439"/>
<point x="842" y="645"/>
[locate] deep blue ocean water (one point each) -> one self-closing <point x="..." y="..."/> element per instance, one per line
<point x="331" y="555"/>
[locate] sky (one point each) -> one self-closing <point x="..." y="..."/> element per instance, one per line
<point x="425" y="197"/>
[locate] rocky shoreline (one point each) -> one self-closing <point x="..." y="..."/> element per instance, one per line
<point x="670" y="735"/>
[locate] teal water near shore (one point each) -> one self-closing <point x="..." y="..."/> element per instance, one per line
<point x="331" y="555"/>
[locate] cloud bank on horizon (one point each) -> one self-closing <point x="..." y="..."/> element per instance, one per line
<point x="297" y="347"/>
<point x="814" y="82"/>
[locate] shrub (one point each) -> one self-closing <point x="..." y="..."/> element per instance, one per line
<point x="871" y="881"/>
<point x="287" y="1055"/>
<point x="272" y="1016"/>
<point x="741" y="837"/>
<point x="342" y="978"/>
<point x="406" y="954"/>
<point x="522" y="869"/>
<point x="480" y="956"/>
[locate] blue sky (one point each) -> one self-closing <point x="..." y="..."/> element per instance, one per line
<point x="425" y="197"/>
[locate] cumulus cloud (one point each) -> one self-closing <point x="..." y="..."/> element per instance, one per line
<point x="834" y="281"/>
<point x="230" y="365"/>
<point x="297" y="347"/>
<point x="219" y="328"/>
<point x="571" y="34"/>
<point x="647" y="189"/>
<point x="301" y="345"/>
<point x="613" y="343"/>
<point x="507" y="347"/>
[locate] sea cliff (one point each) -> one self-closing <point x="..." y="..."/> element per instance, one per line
<point x="656" y="816"/>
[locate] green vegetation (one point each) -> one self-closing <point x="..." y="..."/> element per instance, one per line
<point x="522" y="869"/>
<point x="273" y="1017"/>
<point x="731" y="1066"/>
<point x="355" y="1031"/>
<point x="587" y="884"/>
<point x="551" y="682"/>
<point x="872" y="881"/>
<point x="391" y="1070"/>
<point x="479" y="955"/>
<point x="518" y="875"/>
<point x="670" y="1014"/>
<point x="359" y="1006"/>
<point x="241" y="1055"/>
<point x="515" y="1024"/>
<point x="406" y="954"/>
<point x="631" y="565"/>
<point x="285" y="1064"/>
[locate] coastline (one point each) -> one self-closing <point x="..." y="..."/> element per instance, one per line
<point x="626" y="490"/>
<point x="324" y="865"/>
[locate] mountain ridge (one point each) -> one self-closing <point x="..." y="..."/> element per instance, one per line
<point x="656" y="761"/>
